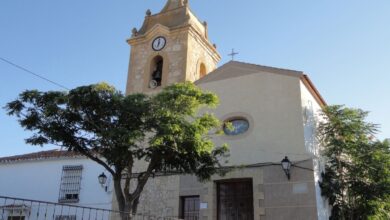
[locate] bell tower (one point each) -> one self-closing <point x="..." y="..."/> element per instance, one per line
<point x="171" y="46"/>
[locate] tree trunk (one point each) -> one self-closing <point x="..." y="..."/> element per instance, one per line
<point x="122" y="206"/>
<point x="134" y="206"/>
<point x="128" y="202"/>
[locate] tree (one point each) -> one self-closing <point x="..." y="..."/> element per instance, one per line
<point x="165" y="131"/>
<point x="357" y="174"/>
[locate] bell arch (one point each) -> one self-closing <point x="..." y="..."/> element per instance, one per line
<point x="202" y="70"/>
<point x="157" y="71"/>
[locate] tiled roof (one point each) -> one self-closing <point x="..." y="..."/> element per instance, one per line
<point x="42" y="155"/>
<point x="15" y="206"/>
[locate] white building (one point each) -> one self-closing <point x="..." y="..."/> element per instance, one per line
<point x="63" y="178"/>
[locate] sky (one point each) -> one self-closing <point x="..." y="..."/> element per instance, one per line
<point x="344" y="47"/>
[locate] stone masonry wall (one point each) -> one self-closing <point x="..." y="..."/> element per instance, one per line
<point x="160" y="197"/>
<point x="142" y="55"/>
<point x="198" y="54"/>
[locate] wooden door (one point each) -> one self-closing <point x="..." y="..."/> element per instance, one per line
<point x="235" y="200"/>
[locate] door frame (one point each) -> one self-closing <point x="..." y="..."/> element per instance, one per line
<point x="235" y="180"/>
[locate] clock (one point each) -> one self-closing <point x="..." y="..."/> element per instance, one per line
<point x="159" y="43"/>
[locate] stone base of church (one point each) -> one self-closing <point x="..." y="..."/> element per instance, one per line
<point x="273" y="196"/>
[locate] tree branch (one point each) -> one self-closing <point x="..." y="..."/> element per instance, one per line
<point x="142" y="179"/>
<point x="96" y="159"/>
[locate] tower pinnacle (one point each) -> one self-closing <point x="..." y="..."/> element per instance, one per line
<point x="174" y="4"/>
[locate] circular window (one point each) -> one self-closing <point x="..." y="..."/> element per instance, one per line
<point x="235" y="126"/>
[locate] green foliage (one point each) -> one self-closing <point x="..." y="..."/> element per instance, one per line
<point x="380" y="209"/>
<point x="357" y="175"/>
<point x="166" y="131"/>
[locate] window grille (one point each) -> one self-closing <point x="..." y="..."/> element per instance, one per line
<point x="70" y="184"/>
<point x="15" y="211"/>
<point x="190" y="207"/>
<point x="65" y="217"/>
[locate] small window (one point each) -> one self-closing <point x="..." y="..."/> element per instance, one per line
<point x="235" y="126"/>
<point x="190" y="207"/>
<point x="157" y="72"/>
<point x="16" y="218"/>
<point x="202" y="70"/>
<point x="65" y="217"/>
<point x="70" y="184"/>
<point x="17" y="212"/>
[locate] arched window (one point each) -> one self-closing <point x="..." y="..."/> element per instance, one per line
<point x="202" y="70"/>
<point x="157" y="72"/>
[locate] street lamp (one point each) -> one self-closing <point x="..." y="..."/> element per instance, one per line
<point x="286" y="165"/>
<point x="102" y="180"/>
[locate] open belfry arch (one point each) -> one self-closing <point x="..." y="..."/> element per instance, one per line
<point x="171" y="46"/>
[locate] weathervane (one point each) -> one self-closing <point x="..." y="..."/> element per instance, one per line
<point x="233" y="54"/>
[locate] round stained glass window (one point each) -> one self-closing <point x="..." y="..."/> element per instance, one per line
<point x="236" y="126"/>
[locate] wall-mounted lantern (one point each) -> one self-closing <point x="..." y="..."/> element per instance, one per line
<point x="286" y="165"/>
<point x="103" y="180"/>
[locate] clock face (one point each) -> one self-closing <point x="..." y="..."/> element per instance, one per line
<point x="159" y="43"/>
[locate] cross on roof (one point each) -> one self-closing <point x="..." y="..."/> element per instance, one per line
<point x="233" y="54"/>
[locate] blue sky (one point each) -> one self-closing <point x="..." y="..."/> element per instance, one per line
<point x="344" y="46"/>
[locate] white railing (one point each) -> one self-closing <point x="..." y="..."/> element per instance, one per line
<point x="26" y="209"/>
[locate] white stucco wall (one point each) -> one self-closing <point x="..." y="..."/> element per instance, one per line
<point x="311" y="111"/>
<point x="40" y="180"/>
<point x="311" y="116"/>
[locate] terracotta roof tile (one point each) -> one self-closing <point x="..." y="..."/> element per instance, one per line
<point x="42" y="155"/>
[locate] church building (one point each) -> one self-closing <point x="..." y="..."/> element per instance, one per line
<point x="273" y="112"/>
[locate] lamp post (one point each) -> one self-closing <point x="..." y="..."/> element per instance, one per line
<point x="102" y="180"/>
<point x="286" y="165"/>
